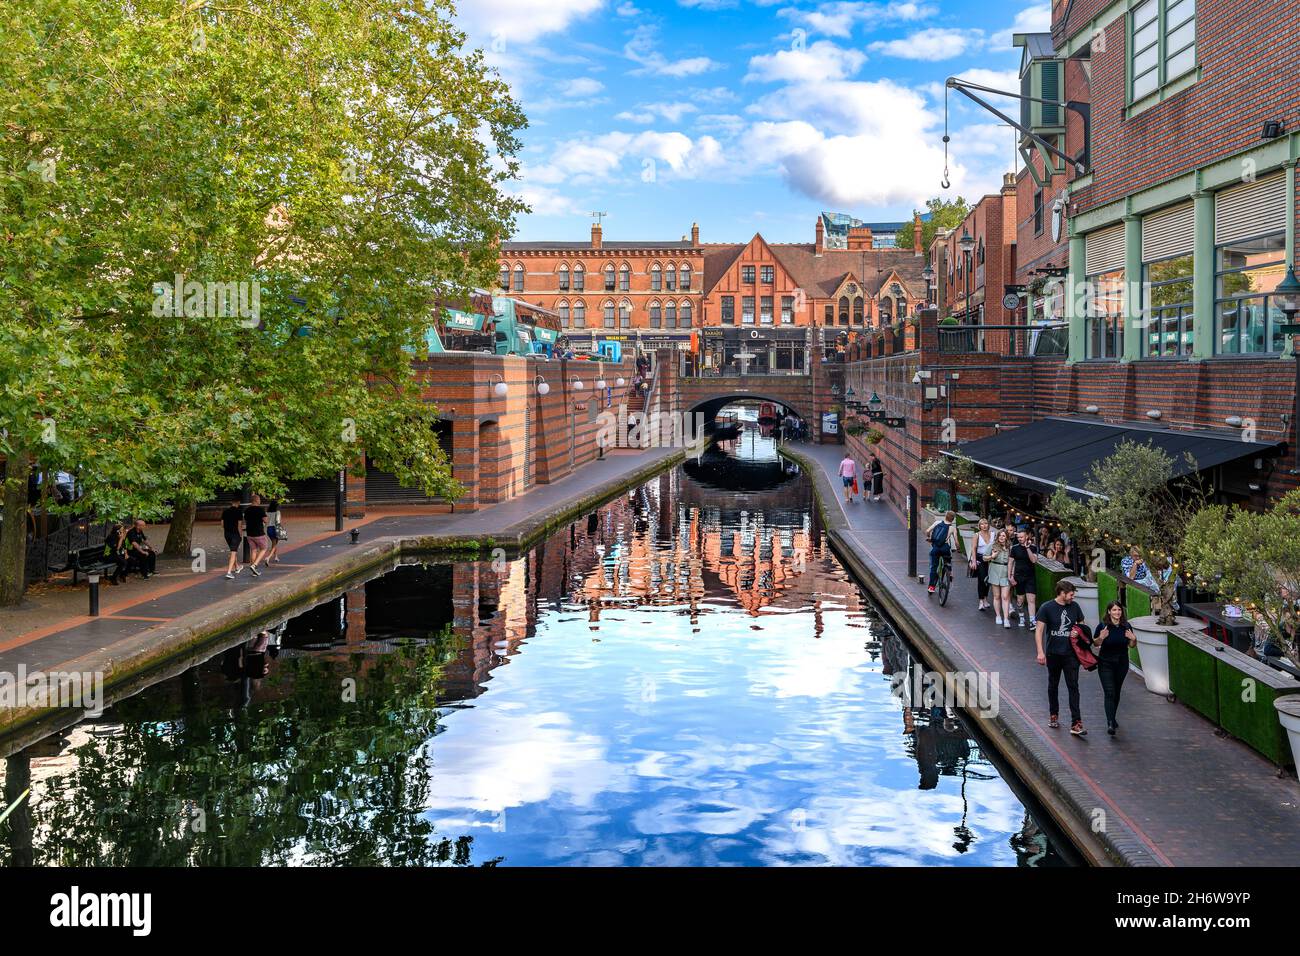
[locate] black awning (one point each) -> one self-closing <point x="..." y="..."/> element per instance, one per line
<point x="1050" y="450"/>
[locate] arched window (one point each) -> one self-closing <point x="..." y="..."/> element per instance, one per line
<point x="609" y="313"/>
<point x="886" y="309"/>
<point x="564" y="277"/>
<point x="624" y="275"/>
<point x="505" y="277"/>
<point x="670" y="277"/>
<point x="857" y="310"/>
<point x="685" y="273"/>
<point x="685" y="313"/>
<point x="656" y="315"/>
<point x="579" y="277"/>
<point x="609" y="277"/>
<point x="579" y="314"/>
<point x="624" y="314"/>
<point x="519" y="278"/>
<point x="656" y="278"/>
<point x="902" y="308"/>
<point x="981" y="259"/>
<point x="844" y="310"/>
<point x="670" y="316"/>
<point x="564" y="314"/>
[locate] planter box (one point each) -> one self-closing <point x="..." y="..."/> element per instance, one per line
<point x="1247" y="689"/>
<point x="1194" y="670"/>
<point x="1137" y="603"/>
<point x="1046" y="573"/>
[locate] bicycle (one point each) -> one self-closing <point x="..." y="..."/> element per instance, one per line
<point x="943" y="582"/>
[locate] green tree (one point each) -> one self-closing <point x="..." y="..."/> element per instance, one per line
<point x="944" y="214"/>
<point x="338" y="166"/>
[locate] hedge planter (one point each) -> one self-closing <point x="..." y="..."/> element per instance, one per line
<point x="1153" y="649"/>
<point x="1046" y="573"/>
<point x="1288" y="712"/>
<point x="1085" y="594"/>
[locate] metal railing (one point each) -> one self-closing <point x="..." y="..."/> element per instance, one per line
<point x="1044" y="339"/>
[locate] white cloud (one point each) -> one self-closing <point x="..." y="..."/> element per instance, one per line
<point x="641" y="50"/>
<point x="545" y="201"/>
<point x="821" y="61"/>
<point x="497" y="23"/>
<point x="649" y="112"/>
<point x="840" y="17"/>
<point x="610" y="155"/>
<point x="628" y="9"/>
<point x="1035" y="19"/>
<point x="581" y="86"/>
<point x="932" y="44"/>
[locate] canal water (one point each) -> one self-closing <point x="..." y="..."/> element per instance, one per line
<point x="686" y="677"/>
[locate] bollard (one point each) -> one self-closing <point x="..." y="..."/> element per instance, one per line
<point x="93" y="578"/>
<point x="356" y="534"/>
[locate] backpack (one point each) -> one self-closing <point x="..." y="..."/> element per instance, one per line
<point x="939" y="536"/>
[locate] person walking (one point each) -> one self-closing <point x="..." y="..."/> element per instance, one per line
<point x="232" y="529"/>
<point x="1053" y="633"/>
<point x="877" y="478"/>
<point x="1024" y="579"/>
<point x="940" y="535"/>
<point x="255" y="528"/>
<point x="848" y="475"/>
<point x="273" y="530"/>
<point x="1111" y="643"/>
<point x="981" y="545"/>
<point x="999" y="577"/>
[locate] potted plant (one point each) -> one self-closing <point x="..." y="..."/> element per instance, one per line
<point x="1135" y="499"/>
<point x="875" y="435"/>
<point x="1253" y="560"/>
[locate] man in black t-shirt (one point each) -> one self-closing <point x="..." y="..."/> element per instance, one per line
<point x="255" y="528"/>
<point x="232" y="528"/>
<point x="139" y="554"/>
<point x="1055" y="620"/>
<point x="1024" y="555"/>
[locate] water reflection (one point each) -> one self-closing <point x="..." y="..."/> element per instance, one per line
<point x="687" y="676"/>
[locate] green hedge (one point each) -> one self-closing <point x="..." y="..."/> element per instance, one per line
<point x="1194" y="673"/>
<point x="1137" y="603"/>
<point x="1045" y="578"/>
<point x="1247" y="690"/>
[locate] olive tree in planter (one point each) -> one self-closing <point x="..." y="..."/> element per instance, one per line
<point x="1132" y="499"/>
<point x="956" y="471"/>
<point x="1254" y="559"/>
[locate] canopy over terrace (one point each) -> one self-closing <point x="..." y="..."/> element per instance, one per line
<point x="1044" y="453"/>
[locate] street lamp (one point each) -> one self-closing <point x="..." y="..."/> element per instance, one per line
<point x="875" y="408"/>
<point x="967" y="243"/>
<point x="1287" y="297"/>
<point x="928" y="275"/>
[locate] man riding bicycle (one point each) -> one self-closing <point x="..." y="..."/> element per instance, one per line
<point x="939" y="535"/>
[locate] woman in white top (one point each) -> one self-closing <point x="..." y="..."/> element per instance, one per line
<point x="979" y="560"/>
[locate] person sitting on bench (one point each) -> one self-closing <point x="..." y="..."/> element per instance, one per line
<point x="140" y="555"/>
<point x="115" y="551"/>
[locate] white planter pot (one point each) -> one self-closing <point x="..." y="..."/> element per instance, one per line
<point x="1288" y="712"/>
<point x="1085" y="595"/>
<point x="1153" y="649"/>
<point x="967" y="539"/>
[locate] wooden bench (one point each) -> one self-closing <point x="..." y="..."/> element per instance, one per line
<point x="85" y="561"/>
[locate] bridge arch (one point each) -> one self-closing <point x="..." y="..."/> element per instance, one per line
<point x="713" y="404"/>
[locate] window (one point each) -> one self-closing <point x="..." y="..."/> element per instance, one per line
<point x="505" y="277"/>
<point x="670" y="315"/>
<point x="844" y="310"/>
<point x="787" y="310"/>
<point x="830" y="315"/>
<point x="685" y="313"/>
<point x="624" y="314"/>
<point x="728" y="310"/>
<point x="747" y="310"/>
<point x="624" y="275"/>
<point x="579" y="314"/>
<point x="608" y="315"/>
<point x="1168" y="307"/>
<point x="857" y="310"/>
<point x="1246" y="317"/>
<point x="768" y="274"/>
<point x="656" y="315"/>
<point x="1038" y="212"/>
<point x="981" y="251"/>
<point x="564" y="278"/>
<point x="1162" y="44"/>
<point x="609" y="277"/>
<point x="670" y="278"/>
<point x="902" y="308"/>
<point x="564" y="314"/>
<point x="686" y="277"/>
<point x="765" y="310"/>
<point x="519" y="278"/>
<point x="579" y="278"/>
<point x="1103" y="311"/>
<point x="656" y="278"/>
<point x="747" y="275"/>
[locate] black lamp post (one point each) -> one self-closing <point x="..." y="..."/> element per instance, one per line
<point x="967" y="243"/>
<point x="928" y="275"/>
<point x="1287" y="297"/>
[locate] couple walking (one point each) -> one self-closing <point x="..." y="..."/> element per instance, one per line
<point x="849" y="478"/>
<point x="1065" y="643"/>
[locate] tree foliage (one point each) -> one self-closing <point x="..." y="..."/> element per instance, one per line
<point x="944" y="214"/>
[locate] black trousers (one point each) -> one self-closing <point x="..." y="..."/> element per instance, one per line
<point x="1112" y="671"/>
<point x="982" y="579"/>
<point x="145" y="562"/>
<point x="1067" y="664"/>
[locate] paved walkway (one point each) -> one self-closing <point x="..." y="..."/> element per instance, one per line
<point x="129" y="613"/>
<point x="1172" y="792"/>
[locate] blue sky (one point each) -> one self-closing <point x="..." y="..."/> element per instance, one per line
<point x="747" y="115"/>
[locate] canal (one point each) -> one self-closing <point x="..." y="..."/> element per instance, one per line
<point x="687" y="676"/>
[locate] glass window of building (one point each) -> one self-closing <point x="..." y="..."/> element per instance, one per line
<point x="857" y="310"/>
<point x="1162" y="44"/>
<point x="728" y="310"/>
<point x="519" y="278"/>
<point x="1246" y="317"/>
<point x="505" y="277"/>
<point x="608" y="315"/>
<point x="787" y="310"/>
<point x="765" y="310"/>
<point x="624" y="278"/>
<point x="564" y="314"/>
<point x="844" y="310"/>
<point x="685" y="273"/>
<point x="670" y="278"/>
<point x="656" y="278"/>
<point x="656" y="315"/>
<point x="624" y="314"/>
<point x="579" y="278"/>
<point x="609" y="277"/>
<point x="564" y="278"/>
<point x="579" y="314"/>
<point x="1168" y="309"/>
<point x="684" y="313"/>
<point x="1103" y="310"/>
<point x="747" y="310"/>
<point x="670" y="315"/>
<point x="768" y="274"/>
<point x="747" y="275"/>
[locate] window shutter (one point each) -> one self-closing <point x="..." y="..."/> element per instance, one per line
<point x="1251" y="209"/>
<point x="1104" y="250"/>
<point x="1050" y="76"/>
<point x="1168" y="233"/>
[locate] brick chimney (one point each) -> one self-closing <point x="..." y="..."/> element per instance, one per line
<point x="916" y="235"/>
<point x="595" y="235"/>
<point x="695" y="234"/>
<point x="859" y="238"/>
<point x="821" y="237"/>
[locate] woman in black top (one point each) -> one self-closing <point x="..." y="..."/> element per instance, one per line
<point x="1111" y="643"/>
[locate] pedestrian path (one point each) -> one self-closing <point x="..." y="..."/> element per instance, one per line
<point x="1166" y="788"/>
<point x="127" y="621"/>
